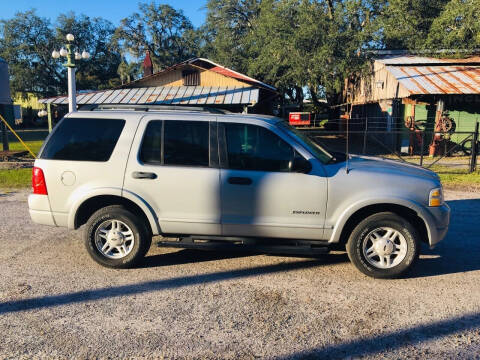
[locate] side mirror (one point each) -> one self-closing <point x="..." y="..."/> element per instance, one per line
<point x="301" y="165"/>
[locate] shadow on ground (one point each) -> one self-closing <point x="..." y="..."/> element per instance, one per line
<point x="460" y="250"/>
<point x="159" y="285"/>
<point x="392" y="341"/>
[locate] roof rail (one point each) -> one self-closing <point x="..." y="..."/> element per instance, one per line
<point x="157" y="107"/>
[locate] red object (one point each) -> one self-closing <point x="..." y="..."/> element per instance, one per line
<point x="39" y="185"/>
<point x="230" y="73"/>
<point x="147" y="65"/>
<point x="299" y="118"/>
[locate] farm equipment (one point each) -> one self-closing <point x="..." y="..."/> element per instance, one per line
<point x="441" y="143"/>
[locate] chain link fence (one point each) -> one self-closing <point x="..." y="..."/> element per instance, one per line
<point x="440" y="150"/>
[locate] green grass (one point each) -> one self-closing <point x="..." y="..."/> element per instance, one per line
<point x="33" y="138"/>
<point x="458" y="178"/>
<point x="15" y="178"/>
<point x="33" y="145"/>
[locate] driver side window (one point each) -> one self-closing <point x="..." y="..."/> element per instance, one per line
<point x="251" y="147"/>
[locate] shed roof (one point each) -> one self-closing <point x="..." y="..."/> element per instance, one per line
<point x="166" y="95"/>
<point x="425" y="75"/>
<point x="438" y="79"/>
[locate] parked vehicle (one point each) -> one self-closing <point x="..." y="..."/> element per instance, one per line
<point x="219" y="180"/>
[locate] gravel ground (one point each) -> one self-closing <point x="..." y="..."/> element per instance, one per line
<point x="57" y="303"/>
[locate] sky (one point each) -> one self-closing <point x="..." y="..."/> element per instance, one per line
<point x="108" y="9"/>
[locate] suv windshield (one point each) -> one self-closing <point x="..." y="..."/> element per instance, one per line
<point x="320" y="153"/>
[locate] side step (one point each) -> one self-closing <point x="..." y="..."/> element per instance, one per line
<point x="249" y="245"/>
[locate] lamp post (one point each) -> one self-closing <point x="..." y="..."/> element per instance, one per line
<point x="70" y="65"/>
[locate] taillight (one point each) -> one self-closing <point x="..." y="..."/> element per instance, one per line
<point x="38" y="182"/>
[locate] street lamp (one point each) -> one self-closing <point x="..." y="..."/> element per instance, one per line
<point x="70" y="65"/>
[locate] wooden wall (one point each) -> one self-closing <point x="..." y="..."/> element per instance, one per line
<point x="174" y="78"/>
<point x="366" y="91"/>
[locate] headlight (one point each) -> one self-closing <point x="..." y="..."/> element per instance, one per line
<point x="436" y="197"/>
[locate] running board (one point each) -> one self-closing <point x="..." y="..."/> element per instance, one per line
<point x="246" y="245"/>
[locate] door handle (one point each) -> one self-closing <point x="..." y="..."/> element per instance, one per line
<point x="240" y="181"/>
<point x="144" y="175"/>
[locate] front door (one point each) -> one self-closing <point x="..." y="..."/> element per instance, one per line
<point x="175" y="171"/>
<point x="261" y="195"/>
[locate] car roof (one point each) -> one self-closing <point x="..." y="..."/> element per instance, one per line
<point x="132" y="113"/>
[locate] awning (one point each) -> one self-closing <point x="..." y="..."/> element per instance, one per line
<point x="167" y="95"/>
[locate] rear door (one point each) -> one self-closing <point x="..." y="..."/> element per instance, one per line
<point x="173" y="167"/>
<point x="261" y="194"/>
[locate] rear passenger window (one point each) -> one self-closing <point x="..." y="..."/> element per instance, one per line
<point x="151" y="151"/>
<point x="80" y="139"/>
<point x="185" y="143"/>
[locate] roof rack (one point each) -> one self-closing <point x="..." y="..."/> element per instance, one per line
<point x="157" y="107"/>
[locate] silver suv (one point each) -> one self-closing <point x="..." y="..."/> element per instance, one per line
<point x="215" y="180"/>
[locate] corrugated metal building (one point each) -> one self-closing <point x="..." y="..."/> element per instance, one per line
<point x="195" y="82"/>
<point x="403" y="86"/>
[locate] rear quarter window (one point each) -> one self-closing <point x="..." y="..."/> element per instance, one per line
<point x="83" y="139"/>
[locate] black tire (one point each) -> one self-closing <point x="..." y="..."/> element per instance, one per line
<point x="141" y="236"/>
<point x="377" y="221"/>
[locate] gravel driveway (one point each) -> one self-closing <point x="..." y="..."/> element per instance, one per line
<point x="56" y="302"/>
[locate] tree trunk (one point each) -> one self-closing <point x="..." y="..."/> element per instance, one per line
<point x="330" y="9"/>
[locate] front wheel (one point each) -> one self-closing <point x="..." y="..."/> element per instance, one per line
<point x="116" y="238"/>
<point x="383" y="245"/>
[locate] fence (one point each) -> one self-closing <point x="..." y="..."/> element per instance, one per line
<point x="446" y="151"/>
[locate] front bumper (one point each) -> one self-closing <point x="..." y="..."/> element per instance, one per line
<point x="438" y="224"/>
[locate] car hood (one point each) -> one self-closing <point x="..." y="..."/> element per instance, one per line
<point x="370" y="163"/>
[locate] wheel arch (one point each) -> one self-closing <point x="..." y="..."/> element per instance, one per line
<point x="88" y="205"/>
<point x="345" y="225"/>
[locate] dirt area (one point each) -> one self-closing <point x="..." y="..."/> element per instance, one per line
<point x="57" y="303"/>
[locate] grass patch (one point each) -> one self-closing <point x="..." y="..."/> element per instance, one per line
<point x="458" y="178"/>
<point x="15" y="178"/>
<point x="33" y="145"/>
<point x="33" y="138"/>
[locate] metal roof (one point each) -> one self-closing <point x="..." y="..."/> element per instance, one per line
<point x="420" y="60"/>
<point x="438" y="79"/>
<point x="180" y="95"/>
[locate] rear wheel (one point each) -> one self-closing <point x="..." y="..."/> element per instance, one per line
<point x="384" y="245"/>
<point x="117" y="238"/>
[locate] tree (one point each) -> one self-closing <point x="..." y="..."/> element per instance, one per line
<point x="228" y="27"/>
<point x="95" y="36"/>
<point x="298" y="44"/>
<point x="27" y="41"/>
<point x="164" y="31"/>
<point x="457" y="27"/>
<point x="127" y="71"/>
<point x="406" y="24"/>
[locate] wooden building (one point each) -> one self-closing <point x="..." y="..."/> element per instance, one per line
<point x="195" y="82"/>
<point x="403" y="91"/>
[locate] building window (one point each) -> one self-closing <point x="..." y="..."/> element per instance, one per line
<point x="191" y="77"/>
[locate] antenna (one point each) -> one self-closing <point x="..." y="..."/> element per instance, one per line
<point x="349" y="96"/>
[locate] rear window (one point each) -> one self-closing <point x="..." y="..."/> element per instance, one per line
<point x="80" y="139"/>
<point x="185" y="143"/>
